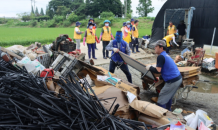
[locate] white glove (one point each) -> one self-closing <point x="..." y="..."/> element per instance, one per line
<point x="148" y="67"/>
<point x="177" y="45"/>
<point x="115" y="50"/>
<point x="133" y="38"/>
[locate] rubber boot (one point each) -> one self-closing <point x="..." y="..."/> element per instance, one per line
<point x="163" y="106"/>
<point x="168" y="105"/>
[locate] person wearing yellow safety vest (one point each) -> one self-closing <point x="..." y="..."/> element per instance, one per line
<point x="135" y="36"/>
<point x="123" y="28"/>
<point x="171" y="29"/>
<point x="77" y="36"/>
<point x="106" y="36"/>
<point x="168" y="40"/>
<point x="89" y="37"/>
<point x="127" y="33"/>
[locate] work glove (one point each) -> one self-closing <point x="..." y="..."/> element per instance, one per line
<point x="148" y="67"/>
<point x="116" y="50"/>
<point x="129" y="33"/>
<point x="177" y="45"/>
<point x="133" y="38"/>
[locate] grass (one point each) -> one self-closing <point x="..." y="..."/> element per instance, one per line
<point x="27" y="36"/>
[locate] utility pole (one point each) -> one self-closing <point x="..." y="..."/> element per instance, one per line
<point x="34" y="4"/>
<point x="31" y="5"/>
<point x="125" y="2"/>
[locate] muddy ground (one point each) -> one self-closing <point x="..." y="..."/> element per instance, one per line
<point x="204" y="101"/>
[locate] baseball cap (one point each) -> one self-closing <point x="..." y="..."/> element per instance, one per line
<point x="160" y="43"/>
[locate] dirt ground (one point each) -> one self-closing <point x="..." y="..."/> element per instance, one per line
<point x="195" y="101"/>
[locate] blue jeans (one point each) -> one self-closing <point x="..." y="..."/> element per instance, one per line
<point x="91" y="48"/>
<point x="123" y="67"/>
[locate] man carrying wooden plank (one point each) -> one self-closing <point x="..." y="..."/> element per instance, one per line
<point x="170" y="74"/>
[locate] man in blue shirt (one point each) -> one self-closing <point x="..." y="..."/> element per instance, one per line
<point x="170" y="74"/>
<point x="115" y="46"/>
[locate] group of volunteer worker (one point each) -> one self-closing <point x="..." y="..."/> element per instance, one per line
<point x="126" y="41"/>
<point x="129" y="34"/>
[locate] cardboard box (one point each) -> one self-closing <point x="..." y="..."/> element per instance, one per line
<point x="148" y="108"/>
<point x="166" y="119"/>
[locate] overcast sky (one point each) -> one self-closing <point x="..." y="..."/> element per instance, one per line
<point x="9" y="8"/>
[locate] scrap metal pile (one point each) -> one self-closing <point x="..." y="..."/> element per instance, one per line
<point x="26" y="103"/>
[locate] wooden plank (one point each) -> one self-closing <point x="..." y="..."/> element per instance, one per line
<point x="188" y="69"/>
<point x="191" y="75"/>
<point x="11" y="53"/>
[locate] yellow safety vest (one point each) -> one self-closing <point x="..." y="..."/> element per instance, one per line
<point x="171" y="29"/>
<point x="168" y="38"/>
<point x="136" y="32"/>
<point x="90" y="39"/>
<point x="106" y="35"/>
<point x="77" y="36"/>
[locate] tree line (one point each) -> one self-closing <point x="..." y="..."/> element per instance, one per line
<point x="94" y="8"/>
<point x="65" y="12"/>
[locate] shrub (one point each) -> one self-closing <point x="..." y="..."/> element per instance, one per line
<point x="107" y="15"/>
<point x="58" y="19"/>
<point x="129" y="16"/>
<point x="10" y="22"/>
<point x="66" y="23"/>
<point x="73" y="18"/>
<point x="2" y="20"/>
<point x="22" y="24"/>
<point x="42" y="23"/>
<point x="33" y="23"/>
<point x="51" y="23"/>
<point x="98" y="21"/>
<point x="84" y="23"/>
<point x="60" y="24"/>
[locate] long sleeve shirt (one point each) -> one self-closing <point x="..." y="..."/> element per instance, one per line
<point x="110" y="47"/>
<point x="174" y="40"/>
<point x="77" y="31"/>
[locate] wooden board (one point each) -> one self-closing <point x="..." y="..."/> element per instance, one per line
<point x="188" y="69"/>
<point x="11" y="53"/>
<point x="188" y="76"/>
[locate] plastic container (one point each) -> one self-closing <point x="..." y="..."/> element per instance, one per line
<point x="216" y="64"/>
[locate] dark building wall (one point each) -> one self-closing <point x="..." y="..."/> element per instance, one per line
<point x="204" y="20"/>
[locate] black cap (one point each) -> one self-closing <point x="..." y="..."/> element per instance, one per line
<point x="90" y="23"/>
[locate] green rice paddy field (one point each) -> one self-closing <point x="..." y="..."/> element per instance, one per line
<point x="27" y="36"/>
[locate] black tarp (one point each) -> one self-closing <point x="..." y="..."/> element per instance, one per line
<point x="204" y="20"/>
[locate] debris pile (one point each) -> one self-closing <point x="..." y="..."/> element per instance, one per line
<point x="26" y="103"/>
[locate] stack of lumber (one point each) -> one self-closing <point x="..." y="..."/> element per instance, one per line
<point x="189" y="74"/>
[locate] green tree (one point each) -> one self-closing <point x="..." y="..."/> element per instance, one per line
<point x="25" y="16"/>
<point x="76" y="4"/>
<point x="55" y="4"/>
<point x="96" y="7"/>
<point x="144" y="7"/>
<point x="32" y="11"/>
<point x="46" y="11"/>
<point x="42" y="12"/>
<point x="81" y="11"/>
<point x="37" y="12"/>
<point x="73" y="17"/>
<point x="106" y="14"/>
<point x="63" y="11"/>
